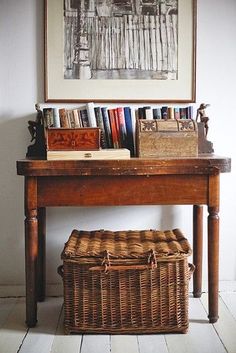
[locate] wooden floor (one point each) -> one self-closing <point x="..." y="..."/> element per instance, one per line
<point x="48" y="336"/>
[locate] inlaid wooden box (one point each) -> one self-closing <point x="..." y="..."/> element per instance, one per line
<point x="167" y="138"/>
<point x="63" y="139"/>
<point x="126" y="281"/>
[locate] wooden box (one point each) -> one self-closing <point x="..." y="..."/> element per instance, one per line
<point x="77" y="139"/>
<point x="126" y="282"/>
<point x="167" y="138"/>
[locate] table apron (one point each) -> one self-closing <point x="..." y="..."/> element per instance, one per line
<point x="123" y="190"/>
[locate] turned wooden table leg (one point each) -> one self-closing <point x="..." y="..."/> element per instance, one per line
<point x="31" y="249"/>
<point x="41" y="275"/>
<point x="213" y="263"/>
<point x="197" y="249"/>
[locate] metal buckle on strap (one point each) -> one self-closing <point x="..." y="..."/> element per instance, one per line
<point x="152" y="259"/>
<point x="106" y="261"/>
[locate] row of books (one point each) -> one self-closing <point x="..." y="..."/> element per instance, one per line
<point x="165" y="112"/>
<point x="118" y="125"/>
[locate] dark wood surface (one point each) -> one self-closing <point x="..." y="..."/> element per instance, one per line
<point x="135" y="166"/>
<point x="163" y="181"/>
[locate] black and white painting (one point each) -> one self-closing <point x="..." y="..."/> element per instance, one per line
<point x="120" y="39"/>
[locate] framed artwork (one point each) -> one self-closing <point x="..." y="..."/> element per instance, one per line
<point x="120" y="50"/>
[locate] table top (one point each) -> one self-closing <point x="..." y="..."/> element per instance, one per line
<point x="203" y="164"/>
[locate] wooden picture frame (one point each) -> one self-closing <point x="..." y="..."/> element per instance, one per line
<point x="93" y="53"/>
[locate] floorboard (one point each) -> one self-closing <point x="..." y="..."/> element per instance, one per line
<point x="229" y="299"/>
<point x="95" y="344"/>
<point x="152" y="344"/>
<point x="40" y="338"/>
<point x="49" y="337"/>
<point x="65" y="343"/>
<point x="201" y="337"/>
<point x="124" y="343"/>
<point x="226" y="324"/>
<point x="13" y="331"/>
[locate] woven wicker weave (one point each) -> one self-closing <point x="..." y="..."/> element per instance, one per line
<point x="126" y="282"/>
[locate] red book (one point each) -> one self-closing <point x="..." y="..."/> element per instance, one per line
<point x="123" y="132"/>
<point x="117" y="126"/>
<point x="114" y="133"/>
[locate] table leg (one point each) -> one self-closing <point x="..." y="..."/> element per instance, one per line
<point x="213" y="263"/>
<point x="41" y="275"/>
<point x="197" y="249"/>
<point x="31" y="249"/>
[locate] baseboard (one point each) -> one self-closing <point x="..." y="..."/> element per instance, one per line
<point x="52" y="290"/>
<point x="57" y="289"/>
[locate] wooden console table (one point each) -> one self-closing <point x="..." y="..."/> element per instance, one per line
<point x="166" y="181"/>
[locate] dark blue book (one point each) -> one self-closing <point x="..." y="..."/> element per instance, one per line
<point x="141" y="113"/>
<point x="182" y="113"/>
<point x="164" y="112"/>
<point x="190" y="112"/>
<point x="100" y="124"/>
<point x="129" y="131"/>
<point x="107" y="127"/>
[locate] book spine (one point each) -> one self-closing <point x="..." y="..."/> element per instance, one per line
<point x="76" y="118"/>
<point x="141" y="113"/>
<point x="91" y="115"/>
<point x="157" y="113"/>
<point x="63" y="118"/>
<point x="84" y="117"/>
<point x="134" y="122"/>
<point x="56" y="118"/>
<point x="100" y="124"/>
<point x="123" y="133"/>
<point x="114" y="134"/>
<point x="117" y="123"/>
<point x="129" y="129"/>
<point x="164" y="112"/>
<point x="70" y="118"/>
<point x="107" y="126"/>
<point x="149" y="113"/>
<point x="48" y="117"/>
<point x="176" y="113"/>
<point x="190" y="112"/>
<point x="182" y="112"/>
<point x="171" y="113"/>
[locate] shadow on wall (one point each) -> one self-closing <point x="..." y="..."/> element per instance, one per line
<point x="61" y="221"/>
<point x="14" y="138"/>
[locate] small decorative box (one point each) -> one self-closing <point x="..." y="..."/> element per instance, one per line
<point x="63" y="139"/>
<point x="167" y="138"/>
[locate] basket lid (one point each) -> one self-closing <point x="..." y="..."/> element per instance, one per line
<point x="126" y="244"/>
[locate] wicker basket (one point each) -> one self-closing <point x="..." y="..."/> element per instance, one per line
<point x="126" y="282"/>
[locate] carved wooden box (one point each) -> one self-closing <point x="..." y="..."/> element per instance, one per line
<point x="167" y="138"/>
<point x="63" y="139"/>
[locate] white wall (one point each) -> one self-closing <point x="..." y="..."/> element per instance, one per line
<point x="21" y="86"/>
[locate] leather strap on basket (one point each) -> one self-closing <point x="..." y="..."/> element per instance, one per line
<point x="106" y="264"/>
<point x="152" y="259"/>
<point x="106" y="261"/>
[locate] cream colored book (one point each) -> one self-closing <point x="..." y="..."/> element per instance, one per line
<point x="111" y="153"/>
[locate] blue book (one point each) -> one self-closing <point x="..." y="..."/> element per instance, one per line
<point x="129" y="130"/>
